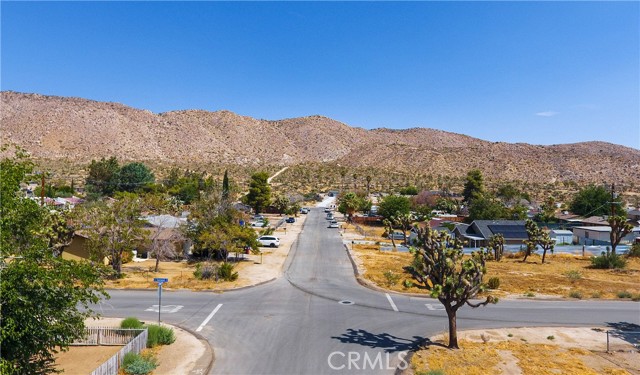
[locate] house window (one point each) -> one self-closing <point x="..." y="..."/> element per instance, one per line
<point x="586" y="234"/>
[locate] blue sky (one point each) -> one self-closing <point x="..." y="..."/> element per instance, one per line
<point x="535" y="72"/>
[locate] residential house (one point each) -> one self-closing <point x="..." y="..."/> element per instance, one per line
<point x="78" y="249"/>
<point x="166" y="228"/>
<point x="478" y="233"/>
<point x="561" y="236"/>
<point x="435" y="224"/>
<point x="599" y="235"/>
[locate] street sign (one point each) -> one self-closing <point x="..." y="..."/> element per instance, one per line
<point x="160" y="281"/>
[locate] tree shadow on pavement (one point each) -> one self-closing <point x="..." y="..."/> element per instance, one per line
<point x="629" y="332"/>
<point x="386" y="341"/>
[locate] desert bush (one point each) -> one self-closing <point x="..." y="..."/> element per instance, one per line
<point x="575" y="294"/>
<point x="407" y="284"/>
<point x="493" y="283"/>
<point x="131" y="322"/>
<point x="136" y="364"/>
<point x="635" y="297"/>
<point x="392" y="277"/>
<point x="573" y="275"/>
<point x="225" y="272"/>
<point x="608" y="261"/>
<point x="624" y="294"/>
<point x="634" y="250"/>
<point x="206" y="271"/>
<point x="159" y="335"/>
<point x="596" y="294"/>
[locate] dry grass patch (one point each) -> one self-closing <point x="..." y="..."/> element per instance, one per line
<point x="562" y="275"/>
<point x="140" y="275"/>
<point x="574" y="351"/>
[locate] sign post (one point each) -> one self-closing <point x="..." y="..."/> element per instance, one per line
<point x="160" y="281"/>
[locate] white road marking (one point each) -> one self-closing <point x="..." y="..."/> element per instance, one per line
<point x="165" y="308"/>
<point x="393" y="305"/>
<point x="204" y="323"/>
<point x="434" y="307"/>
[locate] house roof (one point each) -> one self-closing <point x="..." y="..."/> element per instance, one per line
<point x="510" y="229"/>
<point x="603" y="228"/>
<point x="567" y="217"/>
<point x="560" y="231"/>
<point x="594" y="220"/>
<point x="164" y="221"/>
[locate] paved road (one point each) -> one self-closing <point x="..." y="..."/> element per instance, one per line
<point x="318" y="320"/>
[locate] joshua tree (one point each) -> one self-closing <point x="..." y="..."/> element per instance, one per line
<point x="453" y="279"/>
<point x="496" y="243"/>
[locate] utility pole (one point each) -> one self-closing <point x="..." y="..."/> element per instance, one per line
<point x="42" y="191"/>
<point x="613" y="197"/>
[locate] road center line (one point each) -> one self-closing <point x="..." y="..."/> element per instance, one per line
<point x="393" y="305"/>
<point x="204" y="323"/>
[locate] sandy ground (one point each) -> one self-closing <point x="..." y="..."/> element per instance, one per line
<point x="540" y="350"/>
<point x="252" y="268"/>
<point x="562" y="275"/>
<point x="177" y="358"/>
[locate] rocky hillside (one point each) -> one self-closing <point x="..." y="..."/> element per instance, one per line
<point x="78" y="130"/>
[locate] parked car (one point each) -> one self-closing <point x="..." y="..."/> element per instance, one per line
<point x="327" y="209"/>
<point x="258" y="224"/>
<point x="291" y="220"/>
<point x="269" y="241"/>
<point x="258" y="218"/>
<point x="334" y="224"/>
<point x="396" y="236"/>
<point x="304" y="210"/>
<point x="330" y="216"/>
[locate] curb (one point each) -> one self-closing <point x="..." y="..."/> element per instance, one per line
<point x="204" y="364"/>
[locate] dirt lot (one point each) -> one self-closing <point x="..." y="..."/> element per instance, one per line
<point x="535" y="351"/>
<point x="562" y="275"/>
<point x="177" y="358"/>
<point x="252" y="268"/>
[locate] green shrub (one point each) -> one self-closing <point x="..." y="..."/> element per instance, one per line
<point x="551" y="337"/>
<point x="225" y="272"/>
<point x="392" y="277"/>
<point x="573" y="275"/>
<point x="529" y="294"/>
<point x="129" y="358"/>
<point x="624" y="294"/>
<point x="634" y="250"/>
<point x="493" y="283"/>
<point x="159" y="335"/>
<point x="131" y="322"/>
<point x="597" y="294"/>
<point x="139" y="364"/>
<point x="635" y="297"/>
<point x="575" y="294"/>
<point x="610" y="261"/>
<point x="407" y="284"/>
<point x="205" y="271"/>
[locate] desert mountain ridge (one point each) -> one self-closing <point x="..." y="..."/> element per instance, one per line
<point x="76" y="129"/>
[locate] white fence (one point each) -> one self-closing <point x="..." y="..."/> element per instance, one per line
<point x="108" y="336"/>
<point x="134" y="340"/>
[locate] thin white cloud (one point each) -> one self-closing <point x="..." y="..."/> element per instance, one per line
<point x="546" y="114"/>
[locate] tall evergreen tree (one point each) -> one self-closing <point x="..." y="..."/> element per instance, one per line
<point x="259" y="195"/>
<point x="474" y="185"/>
<point x="225" y="186"/>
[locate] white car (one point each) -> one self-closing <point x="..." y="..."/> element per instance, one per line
<point x="334" y="224"/>
<point x="269" y="241"/>
<point x="258" y="224"/>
